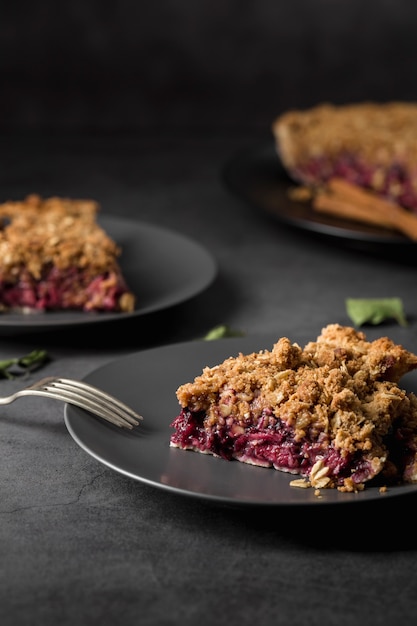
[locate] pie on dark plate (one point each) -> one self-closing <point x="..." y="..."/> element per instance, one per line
<point x="331" y="413"/>
<point x="54" y="256"/>
<point x="372" y="145"/>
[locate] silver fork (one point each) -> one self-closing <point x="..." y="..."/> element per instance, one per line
<point x="82" y="395"/>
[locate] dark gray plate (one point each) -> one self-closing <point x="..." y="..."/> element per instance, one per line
<point x="147" y="380"/>
<point x="163" y="268"/>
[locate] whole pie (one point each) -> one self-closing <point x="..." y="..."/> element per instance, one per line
<point x="373" y="145"/>
<point x="332" y="412"/>
<point x="55" y="256"/>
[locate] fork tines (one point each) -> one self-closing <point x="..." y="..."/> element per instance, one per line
<point x="91" y="398"/>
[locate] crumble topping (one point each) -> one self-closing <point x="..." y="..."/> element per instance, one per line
<point x="332" y="412"/>
<point x="62" y="232"/>
<point x="378" y="132"/>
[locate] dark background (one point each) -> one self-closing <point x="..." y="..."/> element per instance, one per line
<point x="131" y="64"/>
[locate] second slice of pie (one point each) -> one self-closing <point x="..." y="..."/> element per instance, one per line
<point x="54" y="256"/>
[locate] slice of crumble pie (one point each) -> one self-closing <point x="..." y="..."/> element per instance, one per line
<point x="369" y="144"/>
<point x="332" y="412"/>
<point x="54" y="256"/>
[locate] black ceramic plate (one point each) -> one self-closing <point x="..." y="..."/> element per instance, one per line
<point x="163" y="268"/>
<point x="257" y="176"/>
<point x="147" y="381"/>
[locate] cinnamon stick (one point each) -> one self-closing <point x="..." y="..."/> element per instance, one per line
<point x="338" y="206"/>
<point x="346" y="200"/>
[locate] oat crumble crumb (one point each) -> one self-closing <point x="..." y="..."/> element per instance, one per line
<point x="301" y="483"/>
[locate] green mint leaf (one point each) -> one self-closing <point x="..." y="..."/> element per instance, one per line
<point x="219" y="332"/>
<point x="34" y="359"/>
<point x="375" y="310"/>
<point x="11" y="368"/>
<point x="5" y="365"/>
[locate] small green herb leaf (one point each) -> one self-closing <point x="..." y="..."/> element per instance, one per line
<point x="219" y="332"/>
<point x="375" y="310"/>
<point x="11" y="368"/>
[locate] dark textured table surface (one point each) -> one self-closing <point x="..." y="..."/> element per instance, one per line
<point x="82" y="544"/>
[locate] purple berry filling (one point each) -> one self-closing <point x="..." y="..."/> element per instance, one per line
<point x="393" y="183"/>
<point x="59" y="289"/>
<point x="274" y="446"/>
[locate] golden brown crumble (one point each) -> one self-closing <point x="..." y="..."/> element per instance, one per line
<point x="300" y="194"/>
<point x="341" y="385"/>
<point x="62" y="232"/>
<point x="380" y="133"/>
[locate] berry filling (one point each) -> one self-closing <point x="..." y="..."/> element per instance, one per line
<point x="393" y="183"/>
<point x="58" y="289"/>
<point x="269" y="446"/>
